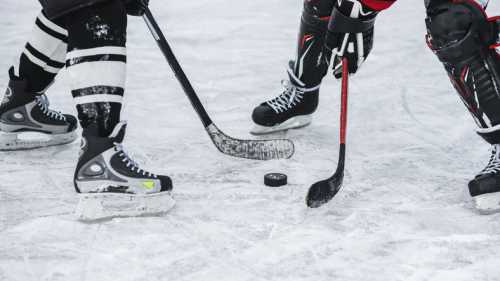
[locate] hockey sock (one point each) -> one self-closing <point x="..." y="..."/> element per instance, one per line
<point x="43" y="55"/>
<point x="96" y="63"/>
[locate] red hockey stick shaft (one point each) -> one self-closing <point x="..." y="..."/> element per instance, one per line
<point x="343" y="100"/>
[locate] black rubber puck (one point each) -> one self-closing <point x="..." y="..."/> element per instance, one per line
<point x="275" y="179"/>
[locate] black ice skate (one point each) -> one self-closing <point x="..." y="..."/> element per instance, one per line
<point x="111" y="184"/>
<point x="485" y="187"/>
<point x="26" y="122"/>
<point x="290" y="110"/>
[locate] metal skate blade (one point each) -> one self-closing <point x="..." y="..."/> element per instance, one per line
<point x="33" y="140"/>
<point x="102" y="206"/>
<point x="488" y="203"/>
<point x="292" y="123"/>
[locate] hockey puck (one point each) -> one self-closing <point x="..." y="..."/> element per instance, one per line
<point x="275" y="179"/>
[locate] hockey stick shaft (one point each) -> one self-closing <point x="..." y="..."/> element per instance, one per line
<point x="323" y="191"/>
<point x="250" y="149"/>
<point x="343" y="117"/>
<point x="343" y="101"/>
<point x="174" y="64"/>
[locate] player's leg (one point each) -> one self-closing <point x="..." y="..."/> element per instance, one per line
<point x="25" y="106"/>
<point x="465" y="41"/>
<point x="96" y="63"/>
<point x="294" y="106"/>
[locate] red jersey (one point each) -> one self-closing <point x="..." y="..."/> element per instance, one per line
<point x="378" y="5"/>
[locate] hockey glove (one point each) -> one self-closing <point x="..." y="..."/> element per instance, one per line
<point x="350" y="34"/>
<point x="136" y="7"/>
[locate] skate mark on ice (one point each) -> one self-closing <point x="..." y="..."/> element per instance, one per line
<point x="213" y="260"/>
<point x="27" y="263"/>
<point x="409" y="111"/>
<point x="406" y="107"/>
<point x="89" y="253"/>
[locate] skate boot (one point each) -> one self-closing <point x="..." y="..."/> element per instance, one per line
<point x="485" y="187"/>
<point x="292" y="109"/>
<point x="111" y="184"/>
<point x="26" y="122"/>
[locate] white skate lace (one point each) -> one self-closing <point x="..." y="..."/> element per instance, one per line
<point x="493" y="166"/>
<point x="291" y="96"/>
<point x="134" y="167"/>
<point x="43" y="102"/>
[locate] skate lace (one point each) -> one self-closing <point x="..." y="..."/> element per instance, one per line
<point x="134" y="166"/>
<point x="43" y="102"/>
<point x="493" y="166"/>
<point x="291" y="96"/>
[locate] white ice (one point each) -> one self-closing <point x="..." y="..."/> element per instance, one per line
<point x="404" y="213"/>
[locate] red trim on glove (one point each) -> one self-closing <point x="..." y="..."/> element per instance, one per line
<point x="378" y="5"/>
<point x="473" y="2"/>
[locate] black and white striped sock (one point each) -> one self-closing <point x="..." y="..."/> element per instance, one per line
<point x="96" y="63"/>
<point x="97" y="84"/>
<point x="97" y="74"/>
<point x="44" y="54"/>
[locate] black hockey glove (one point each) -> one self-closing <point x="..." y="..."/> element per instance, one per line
<point x="350" y="34"/>
<point x="136" y="7"/>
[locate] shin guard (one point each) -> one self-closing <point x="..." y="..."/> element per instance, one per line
<point x="311" y="64"/>
<point x="465" y="41"/>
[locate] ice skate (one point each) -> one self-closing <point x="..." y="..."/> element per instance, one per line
<point x="292" y="109"/>
<point x="111" y="184"/>
<point x="26" y="122"/>
<point x="485" y="187"/>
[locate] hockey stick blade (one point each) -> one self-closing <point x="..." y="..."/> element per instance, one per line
<point x="250" y="149"/>
<point x="323" y="191"/>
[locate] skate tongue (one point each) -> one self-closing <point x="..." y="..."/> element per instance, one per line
<point x="292" y="77"/>
<point x="295" y="80"/>
<point x="118" y="133"/>
<point x="17" y="90"/>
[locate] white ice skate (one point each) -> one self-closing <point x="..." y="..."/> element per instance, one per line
<point x="485" y="187"/>
<point x="111" y="184"/>
<point x="26" y="122"/>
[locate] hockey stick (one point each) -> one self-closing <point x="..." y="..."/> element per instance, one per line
<point x="250" y="149"/>
<point x="323" y="191"/>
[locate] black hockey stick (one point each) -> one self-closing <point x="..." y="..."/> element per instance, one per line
<point x="323" y="191"/>
<point x="250" y="149"/>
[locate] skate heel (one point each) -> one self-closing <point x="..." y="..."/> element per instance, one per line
<point x="8" y="141"/>
<point x="98" y="206"/>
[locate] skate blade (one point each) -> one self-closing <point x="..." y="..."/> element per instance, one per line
<point x="102" y="206"/>
<point x="292" y="123"/>
<point x="487" y="204"/>
<point x="33" y="140"/>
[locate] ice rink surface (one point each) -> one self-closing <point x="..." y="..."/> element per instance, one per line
<point x="404" y="213"/>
